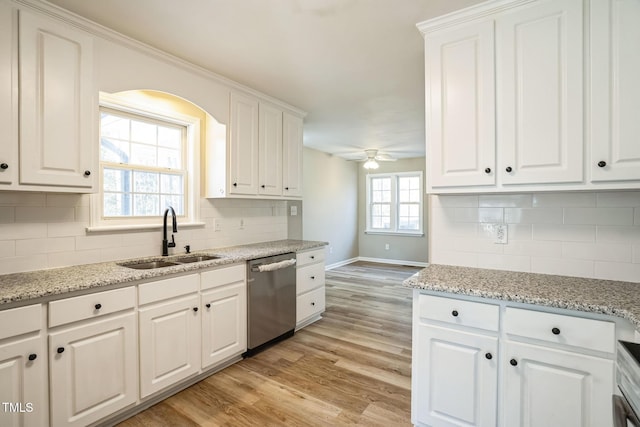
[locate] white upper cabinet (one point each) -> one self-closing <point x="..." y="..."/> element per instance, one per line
<point x="615" y="91"/>
<point x="58" y="105"/>
<point x="540" y="103"/>
<point x="518" y="118"/>
<point x="270" y="150"/>
<point x="292" y="154"/>
<point x="243" y="150"/>
<point x="460" y="88"/>
<point x="8" y="99"/>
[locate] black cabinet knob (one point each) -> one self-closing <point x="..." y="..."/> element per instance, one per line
<point x="98" y="306"/>
<point x="262" y="186"/>
<point x="87" y="173"/>
<point x="33" y="356"/>
<point x="487" y="170"/>
<point x="208" y="305"/>
<point x="60" y="350"/>
<point x="4" y="166"/>
<point x="508" y="169"/>
<point x="195" y="308"/>
<point x="313" y="277"/>
<point x="235" y="184"/>
<point x="312" y="257"/>
<point x="313" y="303"/>
<point x="602" y="163"/>
<point x="489" y="356"/>
<point x="454" y="313"/>
<point x="513" y="362"/>
<point x="555" y="331"/>
<point x="286" y="188"/>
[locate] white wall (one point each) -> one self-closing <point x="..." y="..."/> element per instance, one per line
<point x="45" y="230"/>
<point x="330" y="204"/>
<point x="575" y="234"/>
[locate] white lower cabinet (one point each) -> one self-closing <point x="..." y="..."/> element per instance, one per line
<point x="459" y="381"/>
<point x="310" y="287"/>
<point x="23" y="368"/>
<point x="516" y="367"/>
<point x="224" y="314"/>
<point x="93" y="369"/>
<point x="546" y="387"/>
<point x="169" y="332"/>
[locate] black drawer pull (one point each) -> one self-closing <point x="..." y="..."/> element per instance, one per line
<point x="313" y="303"/>
<point x="454" y="313"/>
<point x="508" y="169"/>
<point x="555" y="331"/>
<point x="487" y="170"/>
<point x="195" y="308"/>
<point x="87" y="173"/>
<point x="208" y="305"/>
<point x="98" y="306"/>
<point x="4" y="166"/>
<point x="513" y="362"/>
<point x="33" y="356"/>
<point x="489" y="356"/>
<point x="602" y="164"/>
<point x="60" y="350"/>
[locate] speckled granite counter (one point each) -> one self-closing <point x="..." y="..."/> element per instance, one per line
<point x="23" y="288"/>
<point x="610" y="297"/>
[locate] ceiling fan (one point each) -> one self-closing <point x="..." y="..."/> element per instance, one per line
<point x="373" y="157"/>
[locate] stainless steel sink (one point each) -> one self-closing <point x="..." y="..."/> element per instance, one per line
<point x="195" y="258"/>
<point x="150" y="265"/>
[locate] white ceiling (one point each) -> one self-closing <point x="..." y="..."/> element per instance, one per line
<point x="356" y="66"/>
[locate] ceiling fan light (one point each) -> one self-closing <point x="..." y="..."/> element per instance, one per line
<point x="371" y="164"/>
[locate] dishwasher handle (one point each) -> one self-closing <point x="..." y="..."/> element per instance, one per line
<point x="261" y="268"/>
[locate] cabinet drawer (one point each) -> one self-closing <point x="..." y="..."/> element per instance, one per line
<point x="21" y="320"/>
<point x="459" y="312"/>
<point x="592" y="334"/>
<point x="309" y="304"/>
<point x="167" y="288"/>
<point x="309" y="257"/>
<point x="223" y="276"/>
<point x="309" y="277"/>
<point x="90" y="306"/>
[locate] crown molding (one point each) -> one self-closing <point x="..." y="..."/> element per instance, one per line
<point x="84" y="24"/>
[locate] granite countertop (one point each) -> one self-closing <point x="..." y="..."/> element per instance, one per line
<point x="621" y="299"/>
<point x="42" y="285"/>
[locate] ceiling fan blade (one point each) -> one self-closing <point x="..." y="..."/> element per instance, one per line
<point x="385" y="158"/>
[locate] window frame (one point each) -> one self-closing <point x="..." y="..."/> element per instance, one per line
<point x="190" y="153"/>
<point x="394" y="203"/>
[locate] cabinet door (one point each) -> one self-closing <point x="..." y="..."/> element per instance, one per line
<point x="540" y="94"/>
<point x="243" y="152"/>
<point x="455" y="378"/>
<point x="548" y="388"/>
<point x="93" y="370"/>
<point x="460" y="104"/>
<point x="292" y="155"/>
<point x="224" y="323"/>
<point x="615" y="91"/>
<point x="23" y="383"/>
<point x="58" y="102"/>
<point x="8" y="97"/>
<point x="169" y="343"/>
<point x="270" y="149"/>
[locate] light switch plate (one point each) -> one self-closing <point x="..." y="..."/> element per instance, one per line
<point x="294" y="210"/>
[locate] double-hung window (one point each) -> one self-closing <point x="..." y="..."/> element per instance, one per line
<point x="395" y="203"/>
<point x="146" y="165"/>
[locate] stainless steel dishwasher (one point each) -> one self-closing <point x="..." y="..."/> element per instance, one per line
<point x="271" y="295"/>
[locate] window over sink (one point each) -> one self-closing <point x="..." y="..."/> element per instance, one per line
<point x="149" y="145"/>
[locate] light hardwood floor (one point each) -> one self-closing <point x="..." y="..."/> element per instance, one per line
<point x="353" y="367"/>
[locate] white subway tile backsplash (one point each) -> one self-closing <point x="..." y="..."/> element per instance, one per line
<point x="533" y="216"/>
<point x="597" y="251"/>
<point x="14" y="198"/>
<point x="44" y="245"/>
<point x="566" y="233"/>
<point x="19" y="264"/>
<point x="22" y="231"/>
<point x="619" y="199"/>
<point x="564" y="199"/>
<point x="84" y="243"/>
<point x="563" y="267"/>
<point x="506" y="201"/>
<point x="599" y="216"/>
<point x="65" y="259"/>
<point x="594" y="234"/>
<point x="617" y="271"/>
<point x="7" y="214"/>
<point x="67" y="200"/>
<point x="44" y="214"/>
<point x="62" y="229"/>
<point x="7" y="248"/>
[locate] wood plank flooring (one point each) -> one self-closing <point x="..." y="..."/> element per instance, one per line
<point x="353" y="367"/>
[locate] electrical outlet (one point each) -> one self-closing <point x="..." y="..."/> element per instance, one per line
<point x="216" y="225"/>
<point x="501" y="235"/>
<point x="294" y="210"/>
<point x="386" y="247"/>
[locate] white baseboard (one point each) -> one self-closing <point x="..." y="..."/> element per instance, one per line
<point x="340" y="263"/>
<point x="378" y="260"/>
<point x="394" y="261"/>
